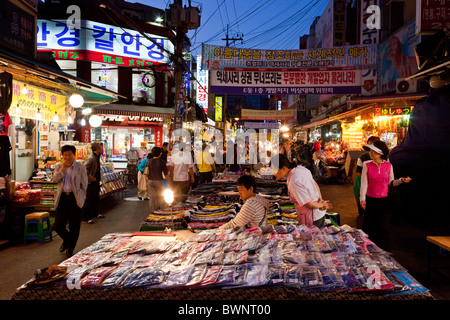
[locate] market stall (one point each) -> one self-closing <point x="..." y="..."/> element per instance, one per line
<point x="333" y="263"/>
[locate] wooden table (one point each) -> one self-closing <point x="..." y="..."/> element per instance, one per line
<point x="442" y="242"/>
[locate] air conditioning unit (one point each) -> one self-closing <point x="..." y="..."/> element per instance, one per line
<point x="405" y="86"/>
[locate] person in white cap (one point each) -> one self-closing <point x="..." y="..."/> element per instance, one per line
<point x="376" y="177"/>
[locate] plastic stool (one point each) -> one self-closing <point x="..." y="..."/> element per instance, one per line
<point x="37" y="227"/>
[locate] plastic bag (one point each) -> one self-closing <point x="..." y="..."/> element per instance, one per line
<point x="211" y="275"/>
<point x="197" y="275"/>
<point x="177" y="276"/>
<point x="95" y="277"/>
<point x="116" y="277"/>
<point x="293" y="275"/>
<point x="256" y="275"/>
<point x="143" y="277"/>
<point x="275" y="274"/>
<point x="311" y="277"/>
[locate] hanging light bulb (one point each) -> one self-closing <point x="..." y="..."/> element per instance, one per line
<point x="55" y="117"/>
<point x="24" y="89"/>
<point x="17" y="110"/>
<point x="95" y="121"/>
<point x="83" y="122"/>
<point x="76" y="100"/>
<point x="38" y="115"/>
<point x="69" y="119"/>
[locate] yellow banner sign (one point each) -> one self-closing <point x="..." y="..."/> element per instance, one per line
<point x="26" y="104"/>
<point x="250" y="114"/>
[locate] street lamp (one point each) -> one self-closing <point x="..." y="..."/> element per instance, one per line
<point x="168" y="197"/>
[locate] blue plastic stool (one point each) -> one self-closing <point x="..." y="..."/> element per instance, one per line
<point x="37" y="227"/>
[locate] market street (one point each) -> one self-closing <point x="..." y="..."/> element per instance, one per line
<point x="19" y="262"/>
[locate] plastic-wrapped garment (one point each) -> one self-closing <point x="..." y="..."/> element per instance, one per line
<point x="177" y="276"/>
<point x="130" y="260"/>
<point x="241" y="257"/>
<point x="332" y="280"/>
<point x="95" y="277"/>
<point x="230" y="258"/>
<point x="349" y="277"/>
<point x="217" y="258"/>
<point x="386" y="262"/>
<point x="147" y="260"/>
<point x="276" y="274"/>
<point x="211" y="275"/>
<point x="197" y="275"/>
<point x="115" y="258"/>
<point x="226" y="276"/>
<point x="203" y="257"/>
<point x="293" y="275"/>
<point x="143" y="277"/>
<point x="241" y="275"/>
<point x="410" y="283"/>
<point x="116" y="277"/>
<point x="256" y="275"/>
<point x="314" y="259"/>
<point x="311" y="278"/>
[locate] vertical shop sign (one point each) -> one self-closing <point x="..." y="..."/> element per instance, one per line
<point x="202" y="86"/>
<point x="339" y="23"/>
<point x="218" y="109"/>
<point x="158" y="137"/>
<point x="432" y="15"/>
<point x="367" y="37"/>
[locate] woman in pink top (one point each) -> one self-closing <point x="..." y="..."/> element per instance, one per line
<point x="376" y="177"/>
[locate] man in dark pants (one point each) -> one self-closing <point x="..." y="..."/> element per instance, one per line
<point x="92" y="164"/>
<point x="72" y="182"/>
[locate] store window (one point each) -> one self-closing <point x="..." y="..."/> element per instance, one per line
<point x="105" y="76"/>
<point x="144" y="83"/>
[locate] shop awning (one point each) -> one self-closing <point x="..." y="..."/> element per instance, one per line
<point x="134" y="110"/>
<point x="388" y="98"/>
<point x="38" y="73"/>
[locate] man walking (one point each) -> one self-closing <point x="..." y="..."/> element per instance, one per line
<point x="92" y="164"/>
<point x="72" y="182"/>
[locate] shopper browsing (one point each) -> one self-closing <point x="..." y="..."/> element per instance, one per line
<point x="72" y="182"/>
<point x="181" y="168"/>
<point x="156" y="169"/>
<point x="142" y="179"/>
<point x="254" y="210"/>
<point x="92" y="164"/>
<point x="303" y="191"/>
<point x="376" y="178"/>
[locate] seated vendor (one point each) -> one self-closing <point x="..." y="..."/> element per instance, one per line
<point x="253" y="212"/>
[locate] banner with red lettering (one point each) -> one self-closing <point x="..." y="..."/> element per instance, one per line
<point x="346" y="81"/>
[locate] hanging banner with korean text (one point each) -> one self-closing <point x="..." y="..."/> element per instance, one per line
<point x="100" y="42"/>
<point x="251" y="114"/>
<point x="226" y="58"/>
<point x="285" y="82"/>
<point x="202" y="86"/>
<point x="48" y="103"/>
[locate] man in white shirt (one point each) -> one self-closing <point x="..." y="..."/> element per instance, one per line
<point x="181" y="167"/>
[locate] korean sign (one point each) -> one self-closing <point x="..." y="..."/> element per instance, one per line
<point x="226" y="58"/>
<point x="393" y="111"/>
<point x="102" y="43"/>
<point x="202" y="86"/>
<point x="251" y="114"/>
<point x="218" y="109"/>
<point x="27" y="105"/>
<point x="285" y="82"/>
<point x="432" y="15"/>
<point x="368" y="36"/>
